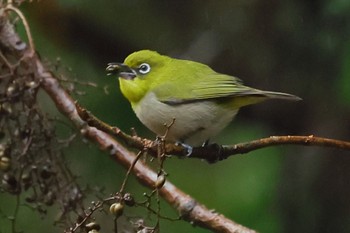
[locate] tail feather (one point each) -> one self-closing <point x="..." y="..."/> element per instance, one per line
<point x="280" y="95"/>
<point x="254" y="96"/>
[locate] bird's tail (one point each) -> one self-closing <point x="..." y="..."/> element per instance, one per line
<point x="254" y="96"/>
<point x="278" y="95"/>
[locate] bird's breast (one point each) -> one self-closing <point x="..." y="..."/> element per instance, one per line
<point x="193" y="122"/>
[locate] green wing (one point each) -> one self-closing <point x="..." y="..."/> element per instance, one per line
<point x="212" y="86"/>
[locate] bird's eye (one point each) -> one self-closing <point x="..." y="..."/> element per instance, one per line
<point x="144" y="68"/>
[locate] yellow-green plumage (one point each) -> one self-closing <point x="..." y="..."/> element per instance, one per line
<point x="201" y="101"/>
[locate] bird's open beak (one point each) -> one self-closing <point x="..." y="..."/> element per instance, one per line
<point x="122" y="70"/>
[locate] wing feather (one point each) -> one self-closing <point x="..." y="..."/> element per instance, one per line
<point x="210" y="87"/>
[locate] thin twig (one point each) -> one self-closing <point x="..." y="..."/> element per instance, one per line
<point x="93" y="121"/>
<point x="10" y="7"/>
<point x="122" y="188"/>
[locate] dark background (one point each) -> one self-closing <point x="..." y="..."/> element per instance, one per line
<point x="297" y="47"/>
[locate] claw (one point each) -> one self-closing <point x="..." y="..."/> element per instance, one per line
<point x="189" y="149"/>
<point x="205" y="143"/>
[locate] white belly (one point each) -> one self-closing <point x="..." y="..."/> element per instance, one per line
<point x="195" y="122"/>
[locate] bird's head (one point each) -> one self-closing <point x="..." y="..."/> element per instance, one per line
<point x="140" y="73"/>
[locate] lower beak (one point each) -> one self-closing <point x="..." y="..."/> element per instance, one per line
<point x="122" y="70"/>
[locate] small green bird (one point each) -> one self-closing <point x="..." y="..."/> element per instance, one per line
<point x="202" y="101"/>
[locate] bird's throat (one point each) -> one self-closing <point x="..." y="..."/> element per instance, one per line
<point x="132" y="90"/>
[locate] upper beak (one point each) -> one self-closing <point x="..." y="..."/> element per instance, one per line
<point x="121" y="70"/>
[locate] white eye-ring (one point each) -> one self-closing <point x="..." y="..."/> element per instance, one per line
<point x="144" y="68"/>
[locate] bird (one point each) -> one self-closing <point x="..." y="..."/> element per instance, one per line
<point x="181" y="100"/>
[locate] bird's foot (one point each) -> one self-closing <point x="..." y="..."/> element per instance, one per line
<point x="189" y="149"/>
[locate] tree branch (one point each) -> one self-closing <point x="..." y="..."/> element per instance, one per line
<point x="213" y="152"/>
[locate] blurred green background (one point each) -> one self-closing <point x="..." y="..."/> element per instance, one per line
<point x="294" y="46"/>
